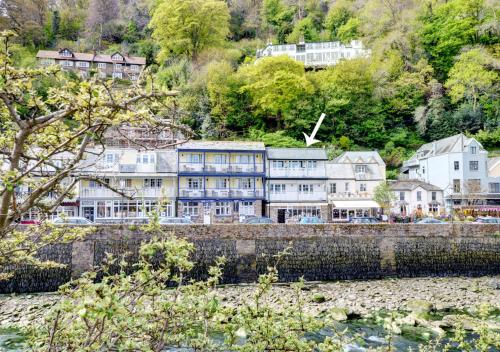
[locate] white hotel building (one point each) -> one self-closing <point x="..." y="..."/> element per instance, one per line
<point x="321" y="54"/>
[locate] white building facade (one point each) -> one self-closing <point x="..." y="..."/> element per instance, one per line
<point x="352" y="179"/>
<point x="458" y="165"/>
<point x="321" y="54"/>
<point x="417" y="198"/>
<point x="296" y="184"/>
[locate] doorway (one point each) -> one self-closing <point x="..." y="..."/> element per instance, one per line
<point x="281" y="216"/>
<point x="88" y="213"/>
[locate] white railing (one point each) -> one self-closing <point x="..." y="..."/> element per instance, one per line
<point x="87" y="192"/>
<point x="221" y="168"/>
<point x="221" y="193"/>
<point x="318" y="172"/>
<point x="298" y="196"/>
<point x="350" y="195"/>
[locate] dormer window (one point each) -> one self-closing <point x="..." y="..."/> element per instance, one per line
<point x="66" y="53"/>
<point x="473" y="149"/>
<point x="117" y="57"/>
<point x="360" y="168"/>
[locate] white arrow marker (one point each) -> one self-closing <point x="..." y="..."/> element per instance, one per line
<point x="310" y="140"/>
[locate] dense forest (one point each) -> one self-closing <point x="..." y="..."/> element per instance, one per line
<point x="433" y="71"/>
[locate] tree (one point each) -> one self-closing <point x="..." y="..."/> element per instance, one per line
<point x="186" y="27"/>
<point x="26" y="18"/>
<point x="102" y="20"/>
<point x="349" y="31"/>
<point x="471" y="80"/>
<point x="304" y="29"/>
<point x="49" y="123"/>
<point x="337" y="16"/>
<point x="276" y="86"/>
<point x="279" y="17"/>
<point x="384" y="196"/>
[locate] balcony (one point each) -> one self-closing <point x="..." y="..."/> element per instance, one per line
<point x="349" y="196"/>
<point x="164" y="192"/>
<point x="214" y="168"/>
<point x="221" y="193"/>
<point x="298" y="197"/>
<point x="297" y="173"/>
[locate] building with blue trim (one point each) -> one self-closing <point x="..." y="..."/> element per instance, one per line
<point x="220" y="182"/>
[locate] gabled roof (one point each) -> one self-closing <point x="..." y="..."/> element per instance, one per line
<point x="410" y="185"/>
<point x="53" y="54"/>
<point x="296" y="154"/>
<point x="366" y="157"/>
<point x="446" y="145"/>
<point x="222" y="145"/>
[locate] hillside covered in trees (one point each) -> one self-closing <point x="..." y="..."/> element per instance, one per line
<point x="433" y="71"/>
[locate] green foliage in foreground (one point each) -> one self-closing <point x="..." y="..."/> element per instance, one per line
<point x="140" y="312"/>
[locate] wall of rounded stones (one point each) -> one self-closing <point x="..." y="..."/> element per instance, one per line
<point x="315" y="252"/>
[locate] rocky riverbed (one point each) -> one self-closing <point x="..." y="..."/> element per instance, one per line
<point x="358" y="298"/>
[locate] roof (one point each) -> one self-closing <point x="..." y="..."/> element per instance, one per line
<point x="444" y="146"/>
<point x="410" y="185"/>
<point x="54" y="54"/>
<point x="364" y="157"/>
<point x="296" y="154"/>
<point x="222" y="145"/>
<point x="494" y="166"/>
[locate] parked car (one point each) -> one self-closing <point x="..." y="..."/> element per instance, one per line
<point x="258" y="220"/>
<point x="311" y="220"/>
<point x="72" y="221"/>
<point x="30" y="222"/>
<point x="175" y="221"/>
<point x="487" y="220"/>
<point x="365" y="220"/>
<point x="429" y="221"/>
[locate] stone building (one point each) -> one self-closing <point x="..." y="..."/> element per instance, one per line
<point x="220" y="182"/>
<point x="352" y="178"/>
<point x="296" y="184"/>
<point x="117" y="65"/>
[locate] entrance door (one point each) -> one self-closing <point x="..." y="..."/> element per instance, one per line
<point x="281" y="216"/>
<point x="88" y="213"/>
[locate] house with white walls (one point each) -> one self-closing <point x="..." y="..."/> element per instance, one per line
<point x="415" y="197"/>
<point x="459" y="166"/>
<point x="296" y="183"/>
<point x="352" y="179"/>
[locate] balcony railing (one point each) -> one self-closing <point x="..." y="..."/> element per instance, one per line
<point x="303" y="172"/>
<point x="102" y="192"/>
<point x="298" y="196"/>
<point x="350" y="195"/>
<point x="221" y="193"/>
<point x="221" y="168"/>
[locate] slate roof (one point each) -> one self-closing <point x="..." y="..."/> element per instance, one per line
<point x="410" y="185"/>
<point x="364" y="157"/>
<point x="443" y="146"/>
<point x="296" y="154"/>
<point x="222" y="145"/>
<point x="54" y="54"/>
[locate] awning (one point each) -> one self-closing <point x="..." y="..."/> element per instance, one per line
<point x="356" y="204"/>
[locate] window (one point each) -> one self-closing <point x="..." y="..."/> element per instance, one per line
<point x="222" y="208"/>
<point x="473" y="165"/>
<point x="111" y="158"/>
<point x="456" y="186"/>
<point x="117" y="75"/>
<point x="194" y="183"/>
<point x="133" y="78"/>
<point x="347" y="187"/>
<point x="494" y="187"/>
<point x="221" y="183"/>
<point x="278" y="188"/>
<point x="333" y="188"/>
<point x="360" y="168"/>
<point x="145" y="158"/>
<point x="101" y="65"/>
<point x="220" y="158"/>
<point x="306" y="189"/>
<point x="473" y="149"/>
<point x="126" y="183"/>
<point x="195" y="158"/>
<point x="278" y="164"/>
<point x="312" y="164"/>
<point x="117" y="57"/>
<point x="362" y="187"/>
<point x="134" y="67"/>
<point x="244" y="159"/>
<point x="434" y="196"/>
<point x="456" y="165"/>
<point x="401" y="196"/>
<point x="190" y="209"/>
<point x="96" y="184"/>
<point x="419" y="196"/>
<point x="82" y="64"/>
<point x="245" y="183"/>
<point x="67" y="63"/>
<point x="117" y="67"/>
<point x="423" y="169"/>
<point x="247" y="208"/>
<point x="153" y="182"/>
<point x="66" y="53"/>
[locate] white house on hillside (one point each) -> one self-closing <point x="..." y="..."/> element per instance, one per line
<point x="317" y="54"/>
<point x="352" y="178"/>
<point x="458" y="165"/>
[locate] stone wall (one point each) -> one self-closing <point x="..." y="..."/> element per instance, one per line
<point x="317" y="252"/>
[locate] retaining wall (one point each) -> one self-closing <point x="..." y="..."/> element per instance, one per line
<point x="317" y="252"/>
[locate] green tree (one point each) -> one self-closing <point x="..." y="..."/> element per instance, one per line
<point x="349" y="31"/>
<point x="304" y="29"/>
<point x="471" y="80"/>
<point x="279" y="17"/>
<point x="337" y="16"/>
<point x="384" y="196"/>
<point x="186" y="27"/>
<point x="276" y="86"/>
